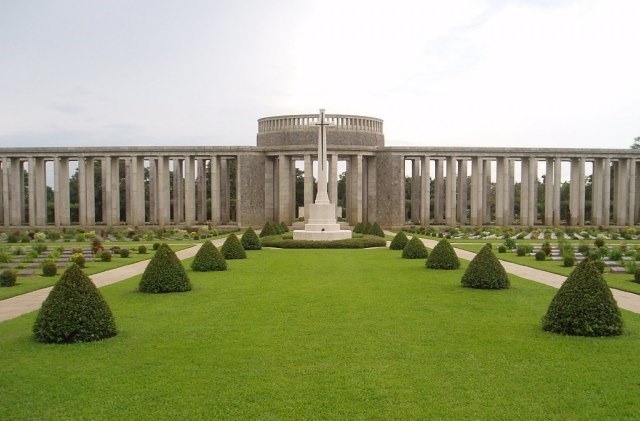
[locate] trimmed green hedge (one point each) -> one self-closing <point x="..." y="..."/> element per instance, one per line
<point x="584" y="305"/>
<point x="399" y="241"/>
<point x="443" y="256"/>
<point x="164" y="273"/>
<point x="350" y="243"/>
<point x="485" y="272"/>
<point x="74" y="311"/>
<point x="415" y="249"/>
<point x="250" y="240"/>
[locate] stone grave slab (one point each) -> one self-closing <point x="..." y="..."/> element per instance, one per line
<point x="26" y="272"/>
<point x="617" y="269"/>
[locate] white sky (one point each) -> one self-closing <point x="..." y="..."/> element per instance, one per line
<point x="521" y="73"/>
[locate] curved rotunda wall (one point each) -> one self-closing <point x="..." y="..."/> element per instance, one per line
<point x="301" y="130"/>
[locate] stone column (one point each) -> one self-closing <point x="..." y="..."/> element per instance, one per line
<point x="308" y="185"/>
<point x="32" y="191"/>
<point x="61" y="191"/>
<point x="189" y="191"/>
<point x="137" y="204"/>
<point x="596" y="192"/>
<point x="357" y="187"/>
<point x="548" y="193"/>
<point x="163" y="192"/>
<point x="371" y="190"/>
<point x="333" y="181"/>
<point x="153" y="191"/>
<point x="215" y="190"/>
<point x="510" y="193"/>
<point x="90" y="195"/>
<point x="462" y="191"/>
<point x="581" y="192"/>
<point x="292" y="191"/>
<point x="438" y="198"/>
<point x="576" y="201"/>
<point x="284" y="199"/>
<point x="450" y="198"/>
<point x="502" y="178"/>
<point x="425" y="188"/>
<point x="16" y="186"/>
<point x="4" y="191"/>
<point x="224" y="191"/>
<point x="201" y="192"/>
<point x="487" y="191"/>
<point x="178" y="192"/>
<point x="557" y="183"/>
<point x="82" y="192"/>
<point x="269" y="189"/>
<point x="524" y="192"/>
<point x="533" y="191"/>
<point x="632" y="200"/>
<point x="606" y="211"/>
<point x="477" y="193"/>
<point x="622" y="191"/>
<point x="128" y="191"/>
<point x="416" y="188"/>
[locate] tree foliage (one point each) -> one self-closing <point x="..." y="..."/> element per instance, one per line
<point x="164" y="273"/>
<point x="443" y="256"/>
<point x="584" y="305"/>
<point x="74" y="311"/>
<point x="208" y="258"/>
<point x="485" y="271"/>
<point x="415" y="249"/>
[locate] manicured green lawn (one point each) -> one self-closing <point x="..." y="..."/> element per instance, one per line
<point x="350" y="334"/>
<point x="26" y="284"/>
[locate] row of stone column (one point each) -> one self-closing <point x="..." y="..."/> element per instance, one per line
<point x="189" y="198"/>
<point x="303" y="122"/>
<point x="451" y="207"/>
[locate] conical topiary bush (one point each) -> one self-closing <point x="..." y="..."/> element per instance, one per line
<point x="232" y="249"/>
<point x="267" y="230"/>
<point x="358" y="228"/>
<point x="164" y="273"/>
<point x="485" y="271"/>
<point x="208" y="258"/>
<point x="584" y="305"/>
<point x="74" y="311"/>
<point x="250" y="240"/>
<point x="415" y="249"/>
<point x="283" y="227"/>
<point x="376" y="230"/>
<point x="399" y="241"/>
<point x="443" y="256"/>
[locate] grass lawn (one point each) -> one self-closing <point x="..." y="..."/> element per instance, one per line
<point x="621" y="281"/>
<point x="351" y="334"/>
<point x="31" y="283"/>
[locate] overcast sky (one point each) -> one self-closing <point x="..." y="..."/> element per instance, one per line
<point x="528" y="73"/>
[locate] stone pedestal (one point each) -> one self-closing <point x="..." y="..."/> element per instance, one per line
<point x="322" y="225"/>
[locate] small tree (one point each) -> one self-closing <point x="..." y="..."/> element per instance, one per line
<point x="74" y="311"/>
<point x="232" y="249"/>
<point x="399" y="241"/>
<point x="267" y="230"/>
<point x="164" y="273"/>
<point x="485" y="272"/>
<point x="208" y="258"/>
<point x="443" y="256"/>
<point x="250" y="240"/>
<point x="376" y="230"/>
<point x="415" y="249"/>
<point x="584" y="305"/>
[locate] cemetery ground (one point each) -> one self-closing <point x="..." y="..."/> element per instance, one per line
<point x="324" y="334"/>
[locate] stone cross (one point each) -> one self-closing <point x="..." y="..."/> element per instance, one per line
<point x="322" y="196"/>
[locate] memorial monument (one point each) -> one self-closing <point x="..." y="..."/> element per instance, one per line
<point x="322" y="223"/>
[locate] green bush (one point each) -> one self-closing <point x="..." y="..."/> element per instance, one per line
<point x="399" y="241"/>
<point x="600" y="265"/>
<point x="164" y="273"/>
<point x="78" y="259"/>
<point x="49" y="269"/>
<point x="232" y="249"/>
<point x="208" y="258"/>
<point x="105" y="256"/>
<point x="376" y="230"/>
<point x="569" y="261"/>
<point x="502" y="249"/>
<point x="283" y="227"/>
<point x="520" y="251"/>
<point x="636" y="276"/>
<point x="546" y="249"/>
<point x="125" y="252"/>
<point x="8" y="277"/>
<point x="443" y="256"/>
<point x="616" y="254"/>
<point x="267" y="230"/>
<point x="485" y="272"/>
<point x="541" y="255"/>
<point x="250" y="240"/>
<point x="510" y="243"/>
<point x="366" y="227"/>
<point x="156" y="246"/>
<point x="584" y="306"/>
<point x="599" y="242"/>
<point x="358" y="228"/>
<point x="583" y="248"/>
<point x="350" y="243"/>
<point x="39" y="247"/>
<point x="74" y="311"/>
<point x="142" y="249"/>
<point x="277" y="228"/>
<point x="415" y="249"/>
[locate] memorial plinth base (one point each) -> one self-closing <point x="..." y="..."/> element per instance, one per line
<point x="322" y="225"/>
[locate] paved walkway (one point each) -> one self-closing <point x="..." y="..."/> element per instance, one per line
<point x="26" y="303"/>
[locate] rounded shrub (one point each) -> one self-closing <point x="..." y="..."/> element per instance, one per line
<point x="415" y="249"/>
<point x="540" y="255"/>
<point x="376" y="230"/>
<point x="599" y="242"/>
<point x="485" y="272"/>
<point x="74" y="311"/>
<point x="267" y="230"/>
<point x="636" y="276"/>
<point x="232" y="249"/>
<point x="250" y="240"/>
<point x="78" y="259"/>
<point x="142" y="249"/>
<point x="125" y="252"/>
<point x="8" y="277"/>
<point x="49" y="269"/>
<point x="443" y="256"/>
<point x="105" y="256"/>
<point x="569" y="261"/>
<point x="520" y="251"/>
<point x="399" y="241"/>
<point x="546" y="249"/>
<point x="208" y="258"/>
<point x="502" y="249"/>
<point x="156" y="246"/>
<point x="584" y="305"/>
<point x="164" y="273"/>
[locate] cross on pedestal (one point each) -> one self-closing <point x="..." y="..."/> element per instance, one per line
<point x="322" y="196"/>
